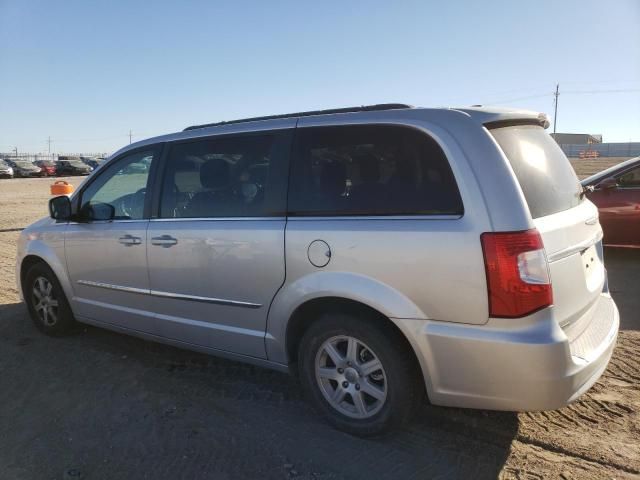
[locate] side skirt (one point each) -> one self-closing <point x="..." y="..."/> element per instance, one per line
<point x="260" y="362"/>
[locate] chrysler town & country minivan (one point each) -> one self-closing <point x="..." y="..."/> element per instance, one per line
<point x="382" y="253"/>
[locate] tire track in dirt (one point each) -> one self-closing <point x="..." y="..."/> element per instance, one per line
<point x="533" y="462"/>
<point x="602" y="426"/>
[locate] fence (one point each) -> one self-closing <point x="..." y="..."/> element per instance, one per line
<point x="629" y="149"/>
<point x="32" y="157"/>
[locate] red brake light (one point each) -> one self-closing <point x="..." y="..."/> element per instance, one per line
<point x="517" y="273"/>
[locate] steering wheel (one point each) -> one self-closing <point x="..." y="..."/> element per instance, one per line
<point x="132" y="205"/>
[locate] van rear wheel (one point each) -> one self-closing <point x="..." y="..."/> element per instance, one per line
<point x="361" y="376"/>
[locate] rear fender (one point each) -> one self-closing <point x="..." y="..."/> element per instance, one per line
<point x="368" y="291"/>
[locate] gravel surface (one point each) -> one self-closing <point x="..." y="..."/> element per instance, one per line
<point x="102" y="405"/>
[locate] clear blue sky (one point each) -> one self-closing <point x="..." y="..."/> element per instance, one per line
<point x="85" y="72"/>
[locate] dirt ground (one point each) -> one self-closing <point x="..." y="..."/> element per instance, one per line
<point x="102" y="405"/>
<point x="586" y="167"/>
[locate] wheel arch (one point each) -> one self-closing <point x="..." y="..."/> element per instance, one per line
<point x="27" y="262"/>
<point x="42" y="254"/>
<point x="330" y="288"/>
<point x="312" y="310"/>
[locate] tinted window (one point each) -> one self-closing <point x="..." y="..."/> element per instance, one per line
<point x="371" y="170"/>
<point x="630" y="179"/>
<point x="122" y="185"/>
<point x="242" y="176"/>
<point x="547" y="179"/>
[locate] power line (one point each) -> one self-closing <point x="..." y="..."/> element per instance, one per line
<point x="511" y="100"/>
<point x="617" y="90"/>
<point x="94" y="139"/>
<point x="600" y="82"/>
<point x="555" y="94"/>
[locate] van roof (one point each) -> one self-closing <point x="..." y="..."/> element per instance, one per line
<point x="490" y="117"/>
<point x="479" y="113"/>
<point x="362" y="108"/>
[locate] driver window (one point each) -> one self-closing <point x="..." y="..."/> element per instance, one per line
<point x="630" y="179"/>
<point x="122" y="185"/>
<point x="225" y="177"/>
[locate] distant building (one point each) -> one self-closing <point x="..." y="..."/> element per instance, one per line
<point x="576" y="138"/>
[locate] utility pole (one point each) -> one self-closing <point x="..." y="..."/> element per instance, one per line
<point x="130" y="137"/>
<point x="49" y="142"/>
<point x="555" y="101"/>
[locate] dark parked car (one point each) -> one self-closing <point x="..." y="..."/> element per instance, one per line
<point x="6" y="170"/>
<point x="48" y="167"/>
<point x="92" y="162"/>
<point x="616" y="193"/>
<point x="24" y="168"/>
<point x="73" y="167"/>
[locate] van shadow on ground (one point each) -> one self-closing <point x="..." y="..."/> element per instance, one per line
<point x="107" y="405"/>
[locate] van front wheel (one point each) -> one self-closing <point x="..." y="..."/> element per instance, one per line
<point x="359" y="374"/>
<point x="46" y="301"/>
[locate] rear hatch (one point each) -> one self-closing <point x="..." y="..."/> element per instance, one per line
<point x="567" y="222"/>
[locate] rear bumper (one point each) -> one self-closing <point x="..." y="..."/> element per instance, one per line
<point x="499" y="366"/>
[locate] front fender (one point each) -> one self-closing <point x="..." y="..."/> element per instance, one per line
<point x="47" y="243"/>
<point x="350" y="286"/>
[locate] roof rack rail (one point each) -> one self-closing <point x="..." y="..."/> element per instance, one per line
<point x="363" y="108"/>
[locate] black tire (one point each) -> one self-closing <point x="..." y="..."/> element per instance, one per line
<point x="404" y="384"/>
<point x="64" y="322"/>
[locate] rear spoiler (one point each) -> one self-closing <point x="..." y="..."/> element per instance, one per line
<point x="541" y="121"/>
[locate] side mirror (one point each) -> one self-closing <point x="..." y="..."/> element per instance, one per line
<point x="100" y="212"/>
<point x="60" y="208"/>
<point x="608" y="183"/>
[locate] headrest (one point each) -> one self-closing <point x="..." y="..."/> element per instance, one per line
<point x="369" y="167"/>
<point x="333" y="177"/>
<point x="214" y="173"/>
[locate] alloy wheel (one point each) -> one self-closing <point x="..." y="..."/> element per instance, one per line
<point x="44" y="301"/>
<point x="351" y="377"/>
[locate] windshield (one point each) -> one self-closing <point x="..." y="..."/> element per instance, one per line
<point x="24" y="164"/>
<point x="610" y="171"/>
<point x="46" y="163"/>
<point x="76" y="163"/>
<point x="547" y="179"/>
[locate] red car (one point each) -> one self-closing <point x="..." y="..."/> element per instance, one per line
<point x="47" y="166"/>
<point x="616" y="193"/>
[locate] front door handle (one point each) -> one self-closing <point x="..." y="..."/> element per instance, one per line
<point x="130" y="240"/>
<point x="164" y="241"/>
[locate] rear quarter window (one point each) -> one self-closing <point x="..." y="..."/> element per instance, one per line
<point x="548" y="181"/>
<point x="370" y="170"/>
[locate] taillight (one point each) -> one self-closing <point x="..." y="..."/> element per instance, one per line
<point x="517" y="273"/>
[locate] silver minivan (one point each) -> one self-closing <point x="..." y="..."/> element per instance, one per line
<point x="384" y="254"/>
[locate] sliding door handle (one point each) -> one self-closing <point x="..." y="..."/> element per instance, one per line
<point x="164" y="241"/>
